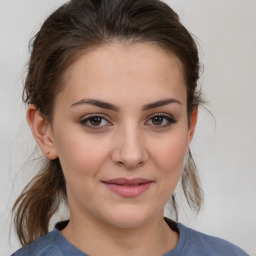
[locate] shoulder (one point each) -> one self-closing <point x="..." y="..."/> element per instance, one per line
<point x="44" y="245"/>
<point x="197" y="243"/>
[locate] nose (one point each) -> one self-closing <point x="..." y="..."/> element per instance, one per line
<point x="129" y="148"/>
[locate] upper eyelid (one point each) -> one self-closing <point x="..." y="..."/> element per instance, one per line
<point x="170" y="120"/>
<point x="95" y="115"/>
<point x="84" y="122"/>
<point x="87" y="117"/>
<point x="109" y="119"/>
<point x="161" y="114"/>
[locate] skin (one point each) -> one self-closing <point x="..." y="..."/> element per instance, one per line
<point x="127" y="142"/>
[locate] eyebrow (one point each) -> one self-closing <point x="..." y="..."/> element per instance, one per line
<point x="98" y="103"/>
<point x="160" y="103"/>
<point x="106" y="105"/>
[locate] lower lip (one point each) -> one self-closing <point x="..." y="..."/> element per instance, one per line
<point x="128" y="191"/>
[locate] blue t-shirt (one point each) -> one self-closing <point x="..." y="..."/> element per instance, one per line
<point x="191" y="243"/>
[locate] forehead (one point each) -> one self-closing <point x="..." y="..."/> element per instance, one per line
<point x="118" y="70"/>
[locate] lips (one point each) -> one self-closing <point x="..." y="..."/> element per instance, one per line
<point x="124" y="181"/>
<point x="128" y="187"/>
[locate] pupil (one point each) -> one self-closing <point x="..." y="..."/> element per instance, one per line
<point x="95" y="121"/>
<point x="157" y="120"/>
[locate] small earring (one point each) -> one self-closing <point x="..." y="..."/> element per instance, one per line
<point x="47" y="153"/>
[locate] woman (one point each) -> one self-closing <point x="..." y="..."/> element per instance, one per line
<point x="112" y="103"/>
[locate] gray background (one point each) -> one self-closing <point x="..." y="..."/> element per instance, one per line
<point x="225" y="152"/>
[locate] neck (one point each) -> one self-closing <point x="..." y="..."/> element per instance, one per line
<point x="152" y="238"/>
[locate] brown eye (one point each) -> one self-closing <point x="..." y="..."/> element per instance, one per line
<point x="95" y="121"/>
<point x="161" y="120"/>
<point x="157" y="120"/>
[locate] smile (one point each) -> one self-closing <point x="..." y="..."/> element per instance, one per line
<point x="128" y="187"/>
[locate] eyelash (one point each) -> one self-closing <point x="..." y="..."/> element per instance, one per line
<point x="89" y="118"/>
<point x="169" y="119"/>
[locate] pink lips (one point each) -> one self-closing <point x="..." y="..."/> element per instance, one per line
<point x="128" y="187"/>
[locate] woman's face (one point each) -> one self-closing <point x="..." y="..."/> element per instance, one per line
<point x="120" y="131"/>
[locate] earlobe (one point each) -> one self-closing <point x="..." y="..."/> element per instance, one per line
<point x="192" y="125"/>
<point x="42" y="132"/>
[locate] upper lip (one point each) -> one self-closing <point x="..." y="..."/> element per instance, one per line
<point x="124" y="181"/>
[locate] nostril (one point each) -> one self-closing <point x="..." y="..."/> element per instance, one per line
<point x="129" y="166"/>
<point x="120" y="163"/>
<point x="140" y="164"/>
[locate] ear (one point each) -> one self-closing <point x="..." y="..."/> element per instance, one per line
<point x="192" y="125"/>
<point x="42" y="132"/>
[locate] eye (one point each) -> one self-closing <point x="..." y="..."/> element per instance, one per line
<point x="161" y="120"/>
<point x="95" y="121"/>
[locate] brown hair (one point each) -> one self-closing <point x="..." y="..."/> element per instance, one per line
<point x="75" y="27"/>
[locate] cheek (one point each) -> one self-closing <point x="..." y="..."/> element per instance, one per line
<point x="81" y="161"/>
<point x="169" y="157"/>
<point x="169" y="153"/>
<point x="79" y="154"/>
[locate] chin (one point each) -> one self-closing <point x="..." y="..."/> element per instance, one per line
<point x="130" y="218"/>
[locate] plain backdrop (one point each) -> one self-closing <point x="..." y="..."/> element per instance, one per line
<point x="224" y="149"/>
